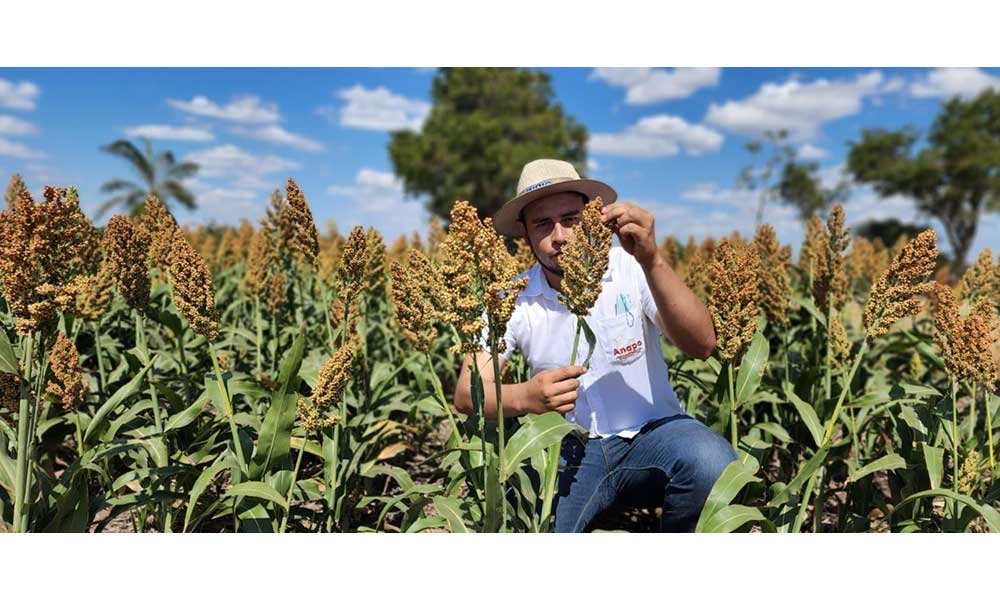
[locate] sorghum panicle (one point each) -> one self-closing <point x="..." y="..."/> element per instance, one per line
<point x="981" y="280"/>
<point x="774" y="277"/>
<point x="375" y="260"/>
<point x="830" y="284"/>
<point x="126" y="247"/>
<point x="413" y="306"/>
<point x="256" y="279"/>
<point x="895" y="294"/>
<point x="160" y="225"/>
<point x="14" y="188"/>
<point x="64" y="360"/>
<point x="334" y="376"/>
<point x="193" y="290"/>
<point x="42" y="248"/>
<point x="303" y="246"/>
<point x="584" y="260"/>
<point x="733" y="300"/>
<point x="966" y="343"/>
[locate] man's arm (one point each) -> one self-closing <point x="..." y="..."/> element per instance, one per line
<point x="681" y="316"/>
<point x="550" y="390"/>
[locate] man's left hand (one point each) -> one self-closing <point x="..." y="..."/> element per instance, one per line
<point x="634" y="227"/>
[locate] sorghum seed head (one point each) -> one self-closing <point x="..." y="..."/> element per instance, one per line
<point x="375" y="259"/>
<point x="160" y="226"/>
<point x="353" y="261"/>
<point x="193" y="290"/>
<point x="126" y="247"/>
<point x="966" y="343"/>
<point x="259" y="259"/>
<point x="895" y="294"/>
<point x="64" y="360"/>
<point x="774" y="277"/>
<point x="331" y="383"/>
<point x="413" y="289"/>
<point x="44" y="246"/>
<point x="829" y="275"/>
<point x="981" y="280"/>
<point x="584" y="260"/>
<point x="733" y="300"/>
<point x="303" y="246"/>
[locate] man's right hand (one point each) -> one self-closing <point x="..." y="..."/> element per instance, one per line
<point x="554" y="390"/>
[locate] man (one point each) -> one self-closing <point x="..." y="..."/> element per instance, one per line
<point x="642" y="449"/>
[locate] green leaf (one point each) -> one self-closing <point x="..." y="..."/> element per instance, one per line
<point x="8" y="361"/>
<point x="752" y="368"/>
<point x="588" y="334"/>
<point x="203" y="481"/>
<point x="451" y="510"/>
<point x="934" y="461"/>
<point x="275" y="438"/>
<point x="803" y="475"/>
<point x="988" y="513"/>
<point x="889" y="462"/>
<point x="810" y="306"/>
<point x="188" y="415"/>
<point x="537" y="432"/>
<point x="777" y="431"/>
<point x="257" y="489"/>
<point x="129" y="389"/>
<point x="807" y="413"/>
<point x="736" y="475"/>
<point x="494" y="494"/>
<point x="730" y="518"/>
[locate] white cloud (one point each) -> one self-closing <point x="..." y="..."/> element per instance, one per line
<point x="644" y="85"/>
<point x="657" y="135"/>
<point x="801" y="108"/>
<point x="961" y="81"/>
<point x="592" y="165"/>
<point x="242" y="109"/>
<point x="15" y="150"/>
<point x="247" y="170"/>
<point x="373" y="191"/>
<point x="170" y="132"/>
<point x="13" y="126"/>
<point x="377" y="109"/>
<point x="279" y="135"/>
<point x="19" y="96"/>
<point x="221" y="204"/>
<point x="810" y="152"/>
<point x="376" y="199"/>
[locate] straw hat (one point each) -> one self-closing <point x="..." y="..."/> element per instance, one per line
<point x="544" y="177"/>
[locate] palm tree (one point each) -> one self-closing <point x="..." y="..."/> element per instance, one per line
<point x="161" y="175"/>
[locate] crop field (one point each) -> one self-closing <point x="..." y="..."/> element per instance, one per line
<point x="273" y="378"/>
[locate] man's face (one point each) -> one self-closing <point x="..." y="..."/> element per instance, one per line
<point x="548" y="223"/>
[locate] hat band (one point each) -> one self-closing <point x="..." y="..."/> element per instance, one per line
<point x="544" y="183"/>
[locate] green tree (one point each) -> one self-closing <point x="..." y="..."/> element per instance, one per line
<point x="887" y="230"/>
<point x="781" y="176"/>
<point x="954" y="177"/>
<point x="159" y="174"/>
<point x="484" y="125"/>
<point x="800" y="186"/>
<point x="760" y="177"/>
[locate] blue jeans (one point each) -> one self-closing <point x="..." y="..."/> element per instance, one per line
<point x="673" y="463"/>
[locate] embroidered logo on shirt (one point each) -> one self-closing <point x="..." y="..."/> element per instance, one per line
<point x="624" y="352"/>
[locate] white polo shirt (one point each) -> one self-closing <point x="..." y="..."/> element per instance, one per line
<point x="626" y="385"/>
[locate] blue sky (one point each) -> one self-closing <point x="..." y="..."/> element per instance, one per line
<point x="671" y="140"/>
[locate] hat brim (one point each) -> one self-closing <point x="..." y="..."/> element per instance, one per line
<point x="505" y="219"/>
